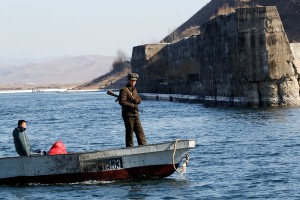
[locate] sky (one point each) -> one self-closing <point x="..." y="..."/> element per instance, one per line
<point x="39" y="29"/>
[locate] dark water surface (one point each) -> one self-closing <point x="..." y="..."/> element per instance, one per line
<point x="240" y="153"/>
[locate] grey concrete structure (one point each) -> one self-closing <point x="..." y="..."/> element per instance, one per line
<point x="240" y="59"/>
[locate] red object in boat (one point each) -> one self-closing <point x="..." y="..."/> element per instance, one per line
<point x="58" y="148"/>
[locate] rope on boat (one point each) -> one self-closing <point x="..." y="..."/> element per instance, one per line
<point x="185" y="162"/>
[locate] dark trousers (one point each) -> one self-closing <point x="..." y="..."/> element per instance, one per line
<point x="133" y="124"/>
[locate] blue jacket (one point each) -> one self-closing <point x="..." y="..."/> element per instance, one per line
<point x="21" y="141"/>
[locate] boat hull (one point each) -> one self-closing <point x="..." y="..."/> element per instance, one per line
<point x="148" y="161"/>
<point x="147" y="172"/>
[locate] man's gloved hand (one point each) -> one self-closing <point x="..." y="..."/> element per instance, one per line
<point x="135" y="101"/>
<point x="135" y="107"/>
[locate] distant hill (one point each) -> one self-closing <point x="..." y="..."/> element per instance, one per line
<point x="115" y="79"/>
<point x="111" y="80"/>
<point x="289" y="11"/>
<point x="66" y="70"/>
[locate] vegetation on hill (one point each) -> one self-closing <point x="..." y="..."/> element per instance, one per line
<point x="116" y="78"/>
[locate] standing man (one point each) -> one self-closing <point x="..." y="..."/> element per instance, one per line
<point x="21" y="141"/>
<point x="129" y="99"/>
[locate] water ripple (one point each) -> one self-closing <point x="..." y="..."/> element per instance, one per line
<point x="240" y="153"/>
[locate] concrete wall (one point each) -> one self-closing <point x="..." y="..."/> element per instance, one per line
<point x="295" y="47"/>
<point x="241" y="59"/>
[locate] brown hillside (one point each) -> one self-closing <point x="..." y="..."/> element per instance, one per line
<point x="289" y="11"/>
<point x="112" y="80"/>
<point x="64" y="70"/>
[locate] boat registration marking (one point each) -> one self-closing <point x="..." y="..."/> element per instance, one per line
<point x="102" y="165"/>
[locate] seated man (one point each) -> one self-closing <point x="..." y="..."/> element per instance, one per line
<point x="21" y="141"/>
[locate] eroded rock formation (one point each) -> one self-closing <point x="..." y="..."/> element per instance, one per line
<point x="240" y="59"/>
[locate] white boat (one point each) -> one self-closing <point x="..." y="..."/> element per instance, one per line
<point x="148" y="161"/>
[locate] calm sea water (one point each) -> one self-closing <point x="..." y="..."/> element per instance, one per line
<point x="240" y="153"/>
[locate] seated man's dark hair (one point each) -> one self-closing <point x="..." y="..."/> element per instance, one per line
<point x="21" y="122"/>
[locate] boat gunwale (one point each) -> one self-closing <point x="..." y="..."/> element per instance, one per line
<point x="108" y="150"/>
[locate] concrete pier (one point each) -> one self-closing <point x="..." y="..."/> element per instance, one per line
<point x="240" y="59"/>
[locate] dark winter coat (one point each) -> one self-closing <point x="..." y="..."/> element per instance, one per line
<point x="129" y="99"/>
<point x="21" y="141"/>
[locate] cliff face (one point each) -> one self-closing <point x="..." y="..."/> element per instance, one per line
<point x="239" y="59"/>
<point x="289" y="11"/>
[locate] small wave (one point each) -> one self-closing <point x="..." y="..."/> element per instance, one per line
<point x="90" y="182"/>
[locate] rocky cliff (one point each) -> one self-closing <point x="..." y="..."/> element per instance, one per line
<point x="240" y="59"/>
<point x="289" y="11"/>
